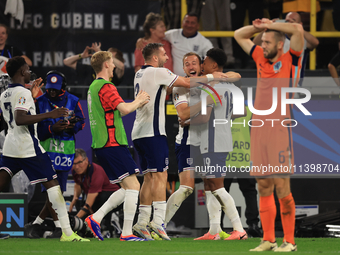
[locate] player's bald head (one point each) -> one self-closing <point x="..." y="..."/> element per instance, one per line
<point x="293" y="17"/>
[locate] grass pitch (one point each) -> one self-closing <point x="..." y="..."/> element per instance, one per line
<point x="177" y="246"/>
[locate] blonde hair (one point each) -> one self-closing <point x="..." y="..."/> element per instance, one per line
<point x="98" y="59"/>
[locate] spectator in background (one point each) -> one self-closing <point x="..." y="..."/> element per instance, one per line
<point x="219" y="9"/>
<point x="172" y="11"/>
<point x="85" y="73"/>
<point x="332" y="67"/>
<point x="91" y="179"/>
<point x="8" y="51"/>
<point x="238" y="14"/>
<point x="57" y="138"/>
<point x="184" y="40"/>
<point x="303" y="8"/>
<point x="154" y="30"/>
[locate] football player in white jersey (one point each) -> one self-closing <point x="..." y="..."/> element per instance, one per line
<point x="21" y="147"/>
<point x="149" y="137"/>
<point x="216" y="142"/>
<point x="188" y="104"/>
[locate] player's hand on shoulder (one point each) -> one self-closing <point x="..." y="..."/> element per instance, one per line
<point x="233" y="76"/>
<point x="59" y="126"/>
<point x="59" y="112"/>
<point x="219" y="75"/>
<point x="143" y="97"/>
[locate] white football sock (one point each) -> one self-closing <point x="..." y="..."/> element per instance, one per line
<point x="130" y="206"/>
<point x="57" y="224"/>
<point x="159" y="208"/>
<point x="38" y="221"/>
<point x="175" y="201"/>
<point x="59" y="206"/>
<point x="229" y="208"/>
<point x="144" y="214"/>
<point x="114" y="200"/>
<point x="214" y="211"/>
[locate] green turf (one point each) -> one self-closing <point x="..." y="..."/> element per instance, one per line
<point x="176" y="246"/>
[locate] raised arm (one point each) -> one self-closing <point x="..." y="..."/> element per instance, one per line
<point x="141" y="99"/>
<point x="190" y="82"/>
<point x="72" y="61"/>
<point x="243" y="35"/>
<point x="295" y="29"/>
<point x="312" y="41"/>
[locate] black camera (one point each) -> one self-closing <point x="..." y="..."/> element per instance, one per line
<point x="77" y="224"/>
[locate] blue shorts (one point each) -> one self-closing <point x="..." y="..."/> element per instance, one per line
<point x="117" y="162"/>
<point x="153" y="153"/>
<point x="38" y="169"/>
<point x="62" y="179"/>
<point x="214" y="165"/>
<point x="188" y="157"/>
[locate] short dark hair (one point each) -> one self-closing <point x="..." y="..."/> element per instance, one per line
<point x="150" y="49"/>
<point x="14" y="64"/>
<point x="151" y="21"/>
<point x="218" y="56"/>
<point x="119" y="54"/>
<point x="279" y="36"/>
<point x="6" y="27"/>
<point x="192" y="54"/>
<point x="193" y="14"/>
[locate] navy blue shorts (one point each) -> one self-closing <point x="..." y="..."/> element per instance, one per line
<point x="62" y="179"/>
<point x="214" y="165"/>
<point x="153" y="153"/>
<point x="184" y="160"/>
<point x="117" y="162"/>
<point x="38" y="169"/>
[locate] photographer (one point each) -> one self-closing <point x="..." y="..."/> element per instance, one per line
<point x="92" y="180"/>
<point x="57" y="138"/>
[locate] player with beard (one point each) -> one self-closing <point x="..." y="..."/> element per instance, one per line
<point x="149" y="137"/>
<point x="271" y="145"/>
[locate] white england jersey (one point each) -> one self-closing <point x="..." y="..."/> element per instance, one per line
<point x="21" y="141"/>
<point x="150" y="119"/>
<point x="302" y="59"/>
<point x="218" y="138"/>
<point x="189" y="135"/>
<point x="181" y="45"/>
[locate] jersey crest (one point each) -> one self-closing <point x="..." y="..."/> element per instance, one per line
<point x="277" y="67"/>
